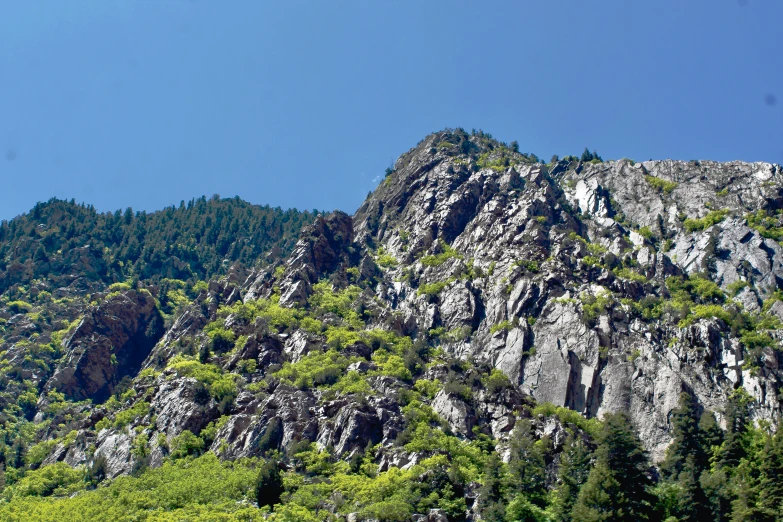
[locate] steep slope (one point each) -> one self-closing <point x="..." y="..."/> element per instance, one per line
<point x="474" y="302"/>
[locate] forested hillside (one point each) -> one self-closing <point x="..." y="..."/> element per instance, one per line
<point x="488" y="338"/>
<point x="191" y="242"/>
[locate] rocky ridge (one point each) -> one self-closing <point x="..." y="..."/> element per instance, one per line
<point x="594" y="286"/>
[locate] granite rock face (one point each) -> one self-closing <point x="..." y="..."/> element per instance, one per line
<point x="110" y="342"/>
<point x="565" y="277"/>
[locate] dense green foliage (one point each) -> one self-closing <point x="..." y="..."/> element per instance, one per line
<point x="196" y="240"/>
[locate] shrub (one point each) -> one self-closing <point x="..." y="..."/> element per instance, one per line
<point x="627" y="273"/>
<point x="135" y="412"/>
<point x="594" y="306"/>
<point x="221" y="340"/>
<point x="38" y="452"/>
<point x="531" y="266"/>
<point x="736" y="287"/>
<point x="56" y="479"/>
<point x="438" y="259"/>
<point x="456" y="335"/>
<point x="315" y="369"/>
<point x="503" y="325"/>
<point x="766" y="225"/>
<point x="20" y="307"/>
<point x="341" y="302"/>
<point x="433" y="289"/>
<point x="221" y="386"/>
<point x="427" y="388"/>
<point x="661" y="185"/>
<point x="184" y="489"/>
<point x="186" y="444"/>
<point x="547" y="409"/>
<point x="646" y="233"/>
<point x="119" y="287"/>
<point x="352" y="382"/>
<point x="714" y="217"/>
<point x="496" y="381"/>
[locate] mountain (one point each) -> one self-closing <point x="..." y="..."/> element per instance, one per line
<point x="488" y="337"/>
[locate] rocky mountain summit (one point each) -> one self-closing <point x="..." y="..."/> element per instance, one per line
<point x="477" y="293"/>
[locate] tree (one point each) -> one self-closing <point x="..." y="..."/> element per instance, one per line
<point x="572" y="474"/>
<point x="586" y="155"/>
<point x="526" y="466"/>
<point x="718" y="483"/>
<point x="770" y="484"/>
<point x="686" y="439"/>
<point x="733" y="448"/>
<point x="490" y="494"/>
<point x="269" y="484"/>
<point x="617" y="488"/>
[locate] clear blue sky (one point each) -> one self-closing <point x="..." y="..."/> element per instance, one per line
<point x="144" y="103"/>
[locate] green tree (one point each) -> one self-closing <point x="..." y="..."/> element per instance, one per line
<point x="770" y="484"/>
<point x="526" y="466"/>
<point x="686" y="439"/>
<point x="718" y="483"/>
<point x="617" y="488"/>
<point x="572" y="474"/>
<point x="491" y="498"/>
<point x="269" y="484"/>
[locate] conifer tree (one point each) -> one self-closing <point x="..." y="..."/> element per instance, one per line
<point x="526" y="464"/>
<point x="572" y="474"/>
<point x="770" y="484"/>
<point x="617" y="487"/>
<point x="269" y="485"/>
<point x="491" y="501"/>
<point x="686" y="439"/>
<point x="718" y="483"/>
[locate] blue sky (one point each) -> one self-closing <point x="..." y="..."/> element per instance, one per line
<point x="144" y="103"/>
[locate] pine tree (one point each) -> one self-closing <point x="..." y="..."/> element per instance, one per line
<point x="526" y="464"/>
<point x="572" y="474"/>
<point x="691" y="502"/>
<point x="269" y="484"/>
<point x="491" y="499"/>
<point x="686" y="439"/>
<point x="617" y="488"/>
<point x="718" y="483"/>
<point x="770" y="484"/>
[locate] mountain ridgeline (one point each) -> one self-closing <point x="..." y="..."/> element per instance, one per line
<point x="489" y="337"/>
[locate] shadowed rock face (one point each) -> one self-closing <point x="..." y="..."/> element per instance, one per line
<point x="110" y="342"/>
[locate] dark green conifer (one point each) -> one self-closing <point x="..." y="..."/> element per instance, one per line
<point x="617" y="488"/>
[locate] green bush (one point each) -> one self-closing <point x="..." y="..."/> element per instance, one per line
<point x="184" y="489"/>
<point x="736" y="287"/>
<point x="57" y="479"/>
<point x="661" y="185"/>
<point x="221" y="340"/>
<point x="766" y="225"/>
<point x="186" y="444"/>
<point x="438" y="259"/>
<point x="627" y="273"/>
<point x="530" y="266"/>
<point x="434" y="289"/>
<point x="222" y="386"/>
<point x="20" y="307"/>
<point x="496" y="381"/>
<point x="714" y="217"/>
<point x="314" y="369"/>
<point x="503" y="325"/>
<point x="119" y="287"/>
<point x="547" y="409"/>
